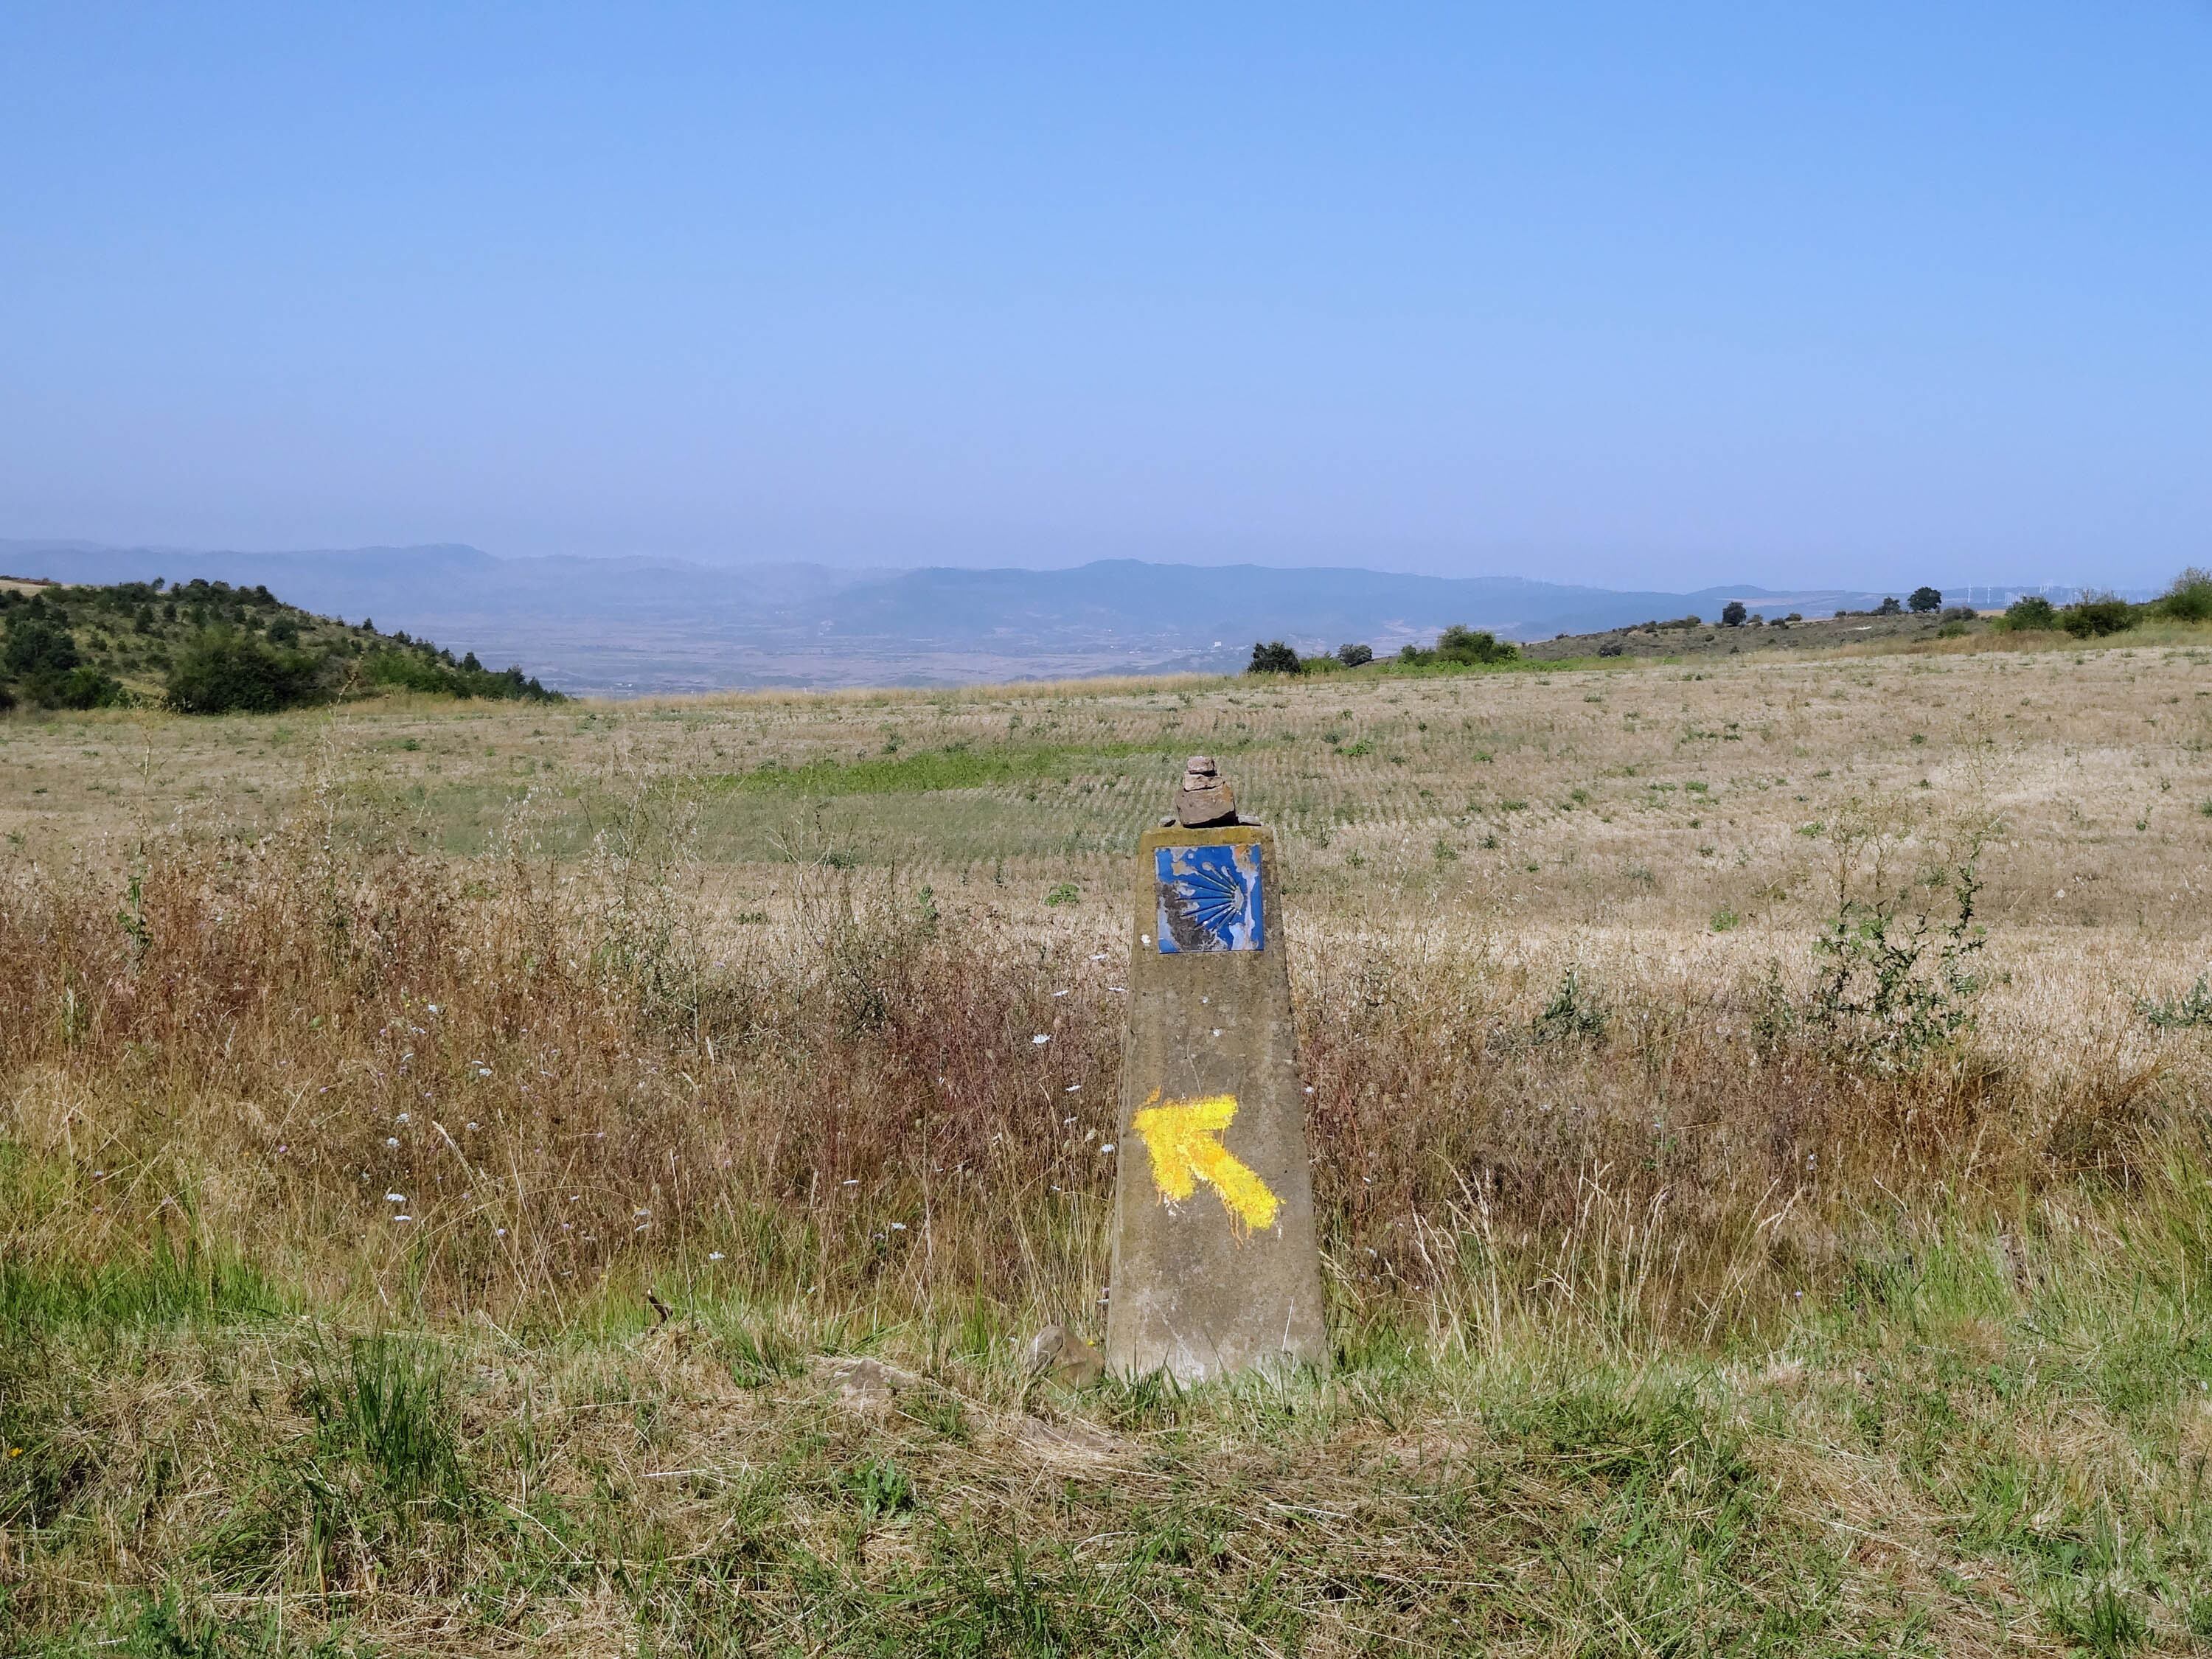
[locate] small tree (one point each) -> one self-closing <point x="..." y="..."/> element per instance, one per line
<point x="2030" y="610"/>
<point x="1355" y="656"/>
<point x="1274" y="658"/>
<point x="1735" y="614"/>
<point x="1889" y="607"/>
<point x="1925" y="599"/>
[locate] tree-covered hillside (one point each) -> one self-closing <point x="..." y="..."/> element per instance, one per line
<point x="205" y="647"/>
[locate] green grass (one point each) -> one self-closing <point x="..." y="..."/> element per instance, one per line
<point x="954" y="767"/>
<point x="1950" y="1455"/>
<point x="39" y="1299"/>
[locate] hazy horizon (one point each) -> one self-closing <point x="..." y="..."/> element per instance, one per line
<point x="1611" y="297"/>
<point x="1769" y="582"/>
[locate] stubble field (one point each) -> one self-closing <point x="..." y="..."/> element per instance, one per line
<point x="454" y="1160"/>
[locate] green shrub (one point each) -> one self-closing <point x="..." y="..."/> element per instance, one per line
<point x="1355" y="656"/>
<point x="420" y="669"/>
<point x="1274" y="658"/>
<point x="223" y="671"/>
<point x="82" y="687"/>
<point x="38" y="647"/>
<point x="2030" y="612"/>
<point x="1470" y="646"/>
<point x="2094" y="616"/>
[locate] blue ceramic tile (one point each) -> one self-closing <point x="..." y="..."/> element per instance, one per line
<point x="1209" y="899"/>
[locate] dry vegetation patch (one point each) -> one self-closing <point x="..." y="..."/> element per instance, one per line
<point x="580" y="1179"/>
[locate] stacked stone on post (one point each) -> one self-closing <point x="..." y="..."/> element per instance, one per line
<point x="1216" y="1267"/>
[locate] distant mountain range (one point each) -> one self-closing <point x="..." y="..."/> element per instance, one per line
<point x="627" y="626"/>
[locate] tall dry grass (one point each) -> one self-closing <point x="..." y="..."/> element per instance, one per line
<point x="521" y="1086"/>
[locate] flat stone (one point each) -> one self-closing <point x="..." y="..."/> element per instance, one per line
<point x="1063" y="1358"/>
<point x="866" y="1385"/>
<point x="1066" y="1440"/>
<point x="1205" y="797"/>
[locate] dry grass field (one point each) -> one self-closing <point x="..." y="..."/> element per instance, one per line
<point x="455" y="1161"/>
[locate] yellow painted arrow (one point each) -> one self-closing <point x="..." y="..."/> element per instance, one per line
<point x="1184" y="1137"/>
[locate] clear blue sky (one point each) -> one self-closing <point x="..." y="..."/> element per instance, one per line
<point x="1638" y="294"/>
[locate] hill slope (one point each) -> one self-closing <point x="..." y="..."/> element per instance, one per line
<point x="208" y="648"/>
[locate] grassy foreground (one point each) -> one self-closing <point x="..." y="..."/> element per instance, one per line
<point x="609" y="1224"/>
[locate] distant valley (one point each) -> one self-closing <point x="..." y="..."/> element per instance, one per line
<point x="636" y="626"/>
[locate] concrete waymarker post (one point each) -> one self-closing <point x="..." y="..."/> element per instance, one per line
<point x="1215" y="1264"/>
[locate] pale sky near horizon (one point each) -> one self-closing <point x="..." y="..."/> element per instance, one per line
<point x="1640" y="295"/>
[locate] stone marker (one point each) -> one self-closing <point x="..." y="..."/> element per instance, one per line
<point x="1215" y="1265"/>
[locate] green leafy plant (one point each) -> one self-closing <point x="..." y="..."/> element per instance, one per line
<point x="1897" y="975"/>
<point x="2191" y="1008"/>
<point x="1575" y="1013"/>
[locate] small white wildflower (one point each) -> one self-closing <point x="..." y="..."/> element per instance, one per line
<point x="498" y="1232"/>
<point x="713" y="1255"/>
<point x="391" y="1140"/>
<point x="403" y="1217"/>
<point x="395" y="1198"/>
<point x="1060" y="994"/>
<point x="402" y="1118"/>
<point x="472" y="1123"/>
<point x="432" y="1007"/>
<point x="1071" y="1088"/>
<point x="1107" y="1148"/>
<point x="1040" y="1039"/>
<point x="898" y="1226"/>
